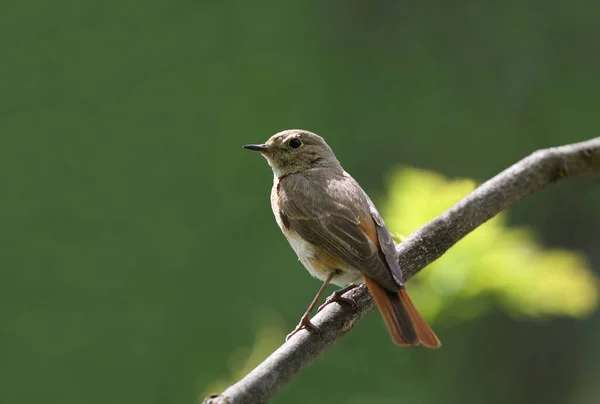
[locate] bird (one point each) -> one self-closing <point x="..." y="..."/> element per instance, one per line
<point x="337" y="233"/>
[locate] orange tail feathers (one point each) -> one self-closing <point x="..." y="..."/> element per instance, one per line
<point x="404" y="322"/>
<point x="425" y="334"/>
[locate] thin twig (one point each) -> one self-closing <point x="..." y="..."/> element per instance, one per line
<point x="428" y="243"/>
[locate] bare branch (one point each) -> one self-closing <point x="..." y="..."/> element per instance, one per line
<point x="422" y="247"/>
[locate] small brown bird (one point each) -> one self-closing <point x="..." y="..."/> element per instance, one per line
<point x="337" y="233"/>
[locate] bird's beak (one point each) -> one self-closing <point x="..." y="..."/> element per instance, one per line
<point x="257" y="147"/>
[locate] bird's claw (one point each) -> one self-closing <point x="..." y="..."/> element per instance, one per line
<point x="304" y="323"/>
<point x="337" y="297"/>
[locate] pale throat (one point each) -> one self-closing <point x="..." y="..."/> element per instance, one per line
<point x="276" y="170"/>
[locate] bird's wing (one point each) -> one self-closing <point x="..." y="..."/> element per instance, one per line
<point x="386" y="243"/>
<point x="345" y="224"/>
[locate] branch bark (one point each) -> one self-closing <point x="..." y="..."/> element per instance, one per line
<point x="428" y="243"/>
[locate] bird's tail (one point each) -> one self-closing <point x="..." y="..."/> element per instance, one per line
<point x="404" y="322"/>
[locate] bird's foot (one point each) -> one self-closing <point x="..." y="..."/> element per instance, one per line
<point x="337" y="297"/>
<point x="304" y="323"/>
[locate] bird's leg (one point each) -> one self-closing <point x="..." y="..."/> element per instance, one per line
<point x="337" y="297"/>
<point x="305" y="320"/>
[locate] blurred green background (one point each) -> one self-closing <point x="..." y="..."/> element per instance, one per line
<point x="139" y="259"/>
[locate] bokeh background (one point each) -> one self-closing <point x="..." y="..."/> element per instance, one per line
<point x="139" y="259"/>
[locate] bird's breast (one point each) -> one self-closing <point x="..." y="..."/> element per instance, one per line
<point x="314" y="258"/>
<point x="303" y="249"/>
<point x="318" y="262"/>
<point x="309" y="255"/>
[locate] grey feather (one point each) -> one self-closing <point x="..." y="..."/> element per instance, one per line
<point x="327" y="210"/>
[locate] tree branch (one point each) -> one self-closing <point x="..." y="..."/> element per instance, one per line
<point x="428" y="243"/>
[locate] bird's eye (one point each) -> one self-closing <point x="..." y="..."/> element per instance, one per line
<point x="295" y="143"/>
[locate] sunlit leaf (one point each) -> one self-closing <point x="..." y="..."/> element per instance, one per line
<point x="494" y="267"/>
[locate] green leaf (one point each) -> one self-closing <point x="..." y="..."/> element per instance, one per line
<point x="494" y="267"/>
